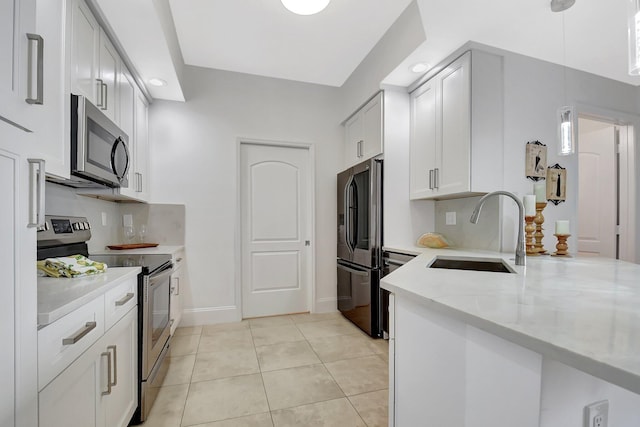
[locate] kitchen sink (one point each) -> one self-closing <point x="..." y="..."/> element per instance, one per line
<point x="495" y="265"/>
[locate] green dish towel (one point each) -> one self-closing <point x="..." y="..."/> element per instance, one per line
<point x="71" y="266"/>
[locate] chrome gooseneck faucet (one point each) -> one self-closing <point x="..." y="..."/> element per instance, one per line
<point x="520" y="249"/>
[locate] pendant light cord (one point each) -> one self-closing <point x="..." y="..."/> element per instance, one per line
<point x="564" y="61"/>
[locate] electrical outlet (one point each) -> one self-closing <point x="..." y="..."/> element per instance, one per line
<point x="596" y="414"/>
<point x="450" y="218"/>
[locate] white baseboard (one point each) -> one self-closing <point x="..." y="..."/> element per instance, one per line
<point x="210" y="315"/>
<point x="326" y="305"/>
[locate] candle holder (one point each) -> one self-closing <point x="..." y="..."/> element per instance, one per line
<point x="539" y="220"/>
<point x="529" y="229"/>
<point x="561" y="246"/>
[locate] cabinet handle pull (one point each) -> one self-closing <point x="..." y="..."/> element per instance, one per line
<point x="436" y="179"/>
<point x="177" y="286"/>
<point x="100" y="83"/>
<point x="104" y="92"/>
<point x="88" y="327"/>
<point x="108" y="356"/>
<point x="124" y="299"/>
<point x="115" y="365"/>
<point x="430" y="179"/>
<point x="359" y="153"/>
<point x="39" y="69"/>
<point x="36" y="192"/>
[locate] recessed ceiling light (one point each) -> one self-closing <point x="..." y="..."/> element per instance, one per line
<point x="305" y="7"/>
<point x="420" y="67"/>
<point x="157" y="82"/>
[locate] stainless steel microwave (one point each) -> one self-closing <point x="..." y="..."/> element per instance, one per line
<point x="99" y="148"/>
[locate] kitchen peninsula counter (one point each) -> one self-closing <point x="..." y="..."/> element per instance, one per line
<point x="583" y="312"/>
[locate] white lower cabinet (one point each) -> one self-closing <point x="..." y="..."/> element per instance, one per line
<point x="177" y="283"/>
<point x="100" y="387"/>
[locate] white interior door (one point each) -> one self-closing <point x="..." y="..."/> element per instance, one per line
<point x="597" y="205"/>
<point x="275" y="203"/>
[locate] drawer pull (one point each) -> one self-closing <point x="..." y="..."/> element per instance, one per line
<point x="88" y="327"/>
<point x="109" y="385"/>
<point x="124" y="299"/>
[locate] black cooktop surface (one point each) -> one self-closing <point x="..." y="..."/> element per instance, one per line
<point x="149" y="263"/>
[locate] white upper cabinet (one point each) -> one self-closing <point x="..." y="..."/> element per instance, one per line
<point x="108" y="73"/>
<point x="456" y="129"/>
<point x="141" y="175"/>
<point x="126" y="112"/>
<point x="95" y="63"/>
<point x="84" y="36"/>
<point x="52" y="128"/>
<point x="363" y="132"/>
<point x="19" y="82"/>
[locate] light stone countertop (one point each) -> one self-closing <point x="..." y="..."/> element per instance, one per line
<point x="58" y="297"/>
<point x="583" y="312"/>
<point x="158" y="250"/>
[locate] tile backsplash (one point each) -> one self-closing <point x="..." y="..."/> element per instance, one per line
<point x="165" y="223"/>
<point x="484" y="235"/>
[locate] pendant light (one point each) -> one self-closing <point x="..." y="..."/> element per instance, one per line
<point x="634" y="37"/>
<point x="305" y="7"/>
<point x="566" y="114"/>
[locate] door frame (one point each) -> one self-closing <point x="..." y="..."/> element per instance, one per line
<point x="311" y="191"/>
<point x="632" y="123"/>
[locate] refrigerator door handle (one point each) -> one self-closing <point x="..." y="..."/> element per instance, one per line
<point x="351" y="270"/>
<point x="347" y="214"/>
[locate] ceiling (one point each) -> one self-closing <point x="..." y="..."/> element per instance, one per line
<point x="261" y="37"/>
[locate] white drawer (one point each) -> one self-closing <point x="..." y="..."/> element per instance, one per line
<point x="119" y="300"/>
<point x="61" y="342"/>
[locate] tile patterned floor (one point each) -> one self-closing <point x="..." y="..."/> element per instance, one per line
<point x="297" y="370"/>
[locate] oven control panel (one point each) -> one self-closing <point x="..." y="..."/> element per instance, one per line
<point x="62" y="230"/>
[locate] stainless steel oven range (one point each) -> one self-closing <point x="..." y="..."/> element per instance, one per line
<point x="64" y="236"/>
<point x="154" y="290"/>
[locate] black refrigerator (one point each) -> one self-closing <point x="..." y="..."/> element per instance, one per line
<point x="359" y="256"/>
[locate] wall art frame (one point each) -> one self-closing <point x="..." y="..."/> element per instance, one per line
<point x="556" y="184"/>
<point x="536" y="160"/>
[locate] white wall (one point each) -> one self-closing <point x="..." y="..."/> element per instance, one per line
<point x="402" y="38"/>
<point x="194" y="162"/>
<point x="533" y="91"/>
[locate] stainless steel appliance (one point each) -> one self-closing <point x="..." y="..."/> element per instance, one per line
<point x="359" y="245"/>
<point x="66" y="235"/>
<point x="154" y="303"/>
<point x="391" y="261"/>
<point x="99" y="148"/>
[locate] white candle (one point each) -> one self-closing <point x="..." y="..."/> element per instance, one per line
<point x="529" y="205"/>
<point x="562" y="227"/>
<point x="540" y="190"/>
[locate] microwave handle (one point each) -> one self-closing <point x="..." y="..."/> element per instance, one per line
<point x="114" y="150"/>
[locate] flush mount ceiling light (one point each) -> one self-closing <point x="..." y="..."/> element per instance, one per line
<point x="157" y="82"/>
<point x="420" y="67"/>
<point x="305" y="7"/>
<point x="560" y="5"/>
